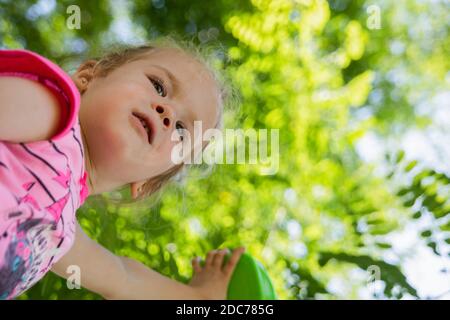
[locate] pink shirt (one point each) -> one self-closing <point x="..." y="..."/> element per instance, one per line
<point x="42" y="183"/>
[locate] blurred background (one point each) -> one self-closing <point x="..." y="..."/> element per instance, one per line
<point x="359" y="207"/>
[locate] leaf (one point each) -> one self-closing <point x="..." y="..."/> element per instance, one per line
<point x="441" y="212"/>
<point x="445" y="227"/>
<point x="426" y="234"/>
<point x="383" y="245"/>
<point x="433" y="246"/>
<point x="409" y="203"/>
<point x="411" y="165"/>
<point x="359" y="88"/>
<point x="399" y="157"/>
<point x="417" y="214"/>
<point x="403" y="191"/>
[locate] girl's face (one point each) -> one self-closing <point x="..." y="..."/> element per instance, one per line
<point x="165" y="89"/>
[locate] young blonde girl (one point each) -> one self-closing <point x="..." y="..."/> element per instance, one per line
<point x="109" y="126"/>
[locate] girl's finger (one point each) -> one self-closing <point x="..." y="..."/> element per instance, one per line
<point x="218" y="259"/>
<point x="229" y="267"/>
<point x="210" y="258"/>
<point x="196" y="264"/>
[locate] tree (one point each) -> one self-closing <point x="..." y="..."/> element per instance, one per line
<point x="308" y="68"/>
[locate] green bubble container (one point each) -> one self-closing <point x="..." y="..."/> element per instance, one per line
<point x="250" y="280"/>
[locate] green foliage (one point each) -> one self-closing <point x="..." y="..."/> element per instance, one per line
<point x="309" y="68"/>
<point x="426" y="195"/>
<point x="390" y="274"/>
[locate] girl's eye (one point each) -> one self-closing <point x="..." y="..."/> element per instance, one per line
<point x="179" y="126"/>
<point x="159" y="86"/>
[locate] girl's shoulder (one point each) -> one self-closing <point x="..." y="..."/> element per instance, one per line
<point x="32" y="66"/>
<point x="55" y="164"/>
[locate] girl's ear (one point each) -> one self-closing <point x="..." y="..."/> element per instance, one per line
<point x="136" y="188"/>
<point x="84" y="75"/>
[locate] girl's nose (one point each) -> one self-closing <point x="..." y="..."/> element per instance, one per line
<point x="165" y="114"/>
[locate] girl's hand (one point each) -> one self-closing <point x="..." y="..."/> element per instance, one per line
<point x="212" y="279"/>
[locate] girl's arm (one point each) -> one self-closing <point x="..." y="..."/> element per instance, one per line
<point x="28" y="110"/>
<point x="116" y="277"/>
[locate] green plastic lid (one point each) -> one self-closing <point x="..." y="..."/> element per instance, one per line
<point x="250" y="281"/>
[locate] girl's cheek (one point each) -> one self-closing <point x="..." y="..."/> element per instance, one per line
<point x="127" y="90"/>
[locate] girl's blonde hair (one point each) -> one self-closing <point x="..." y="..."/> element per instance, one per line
<point x="207" y="56"/>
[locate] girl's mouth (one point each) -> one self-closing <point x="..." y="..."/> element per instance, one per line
<point x="146" y="124"/>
